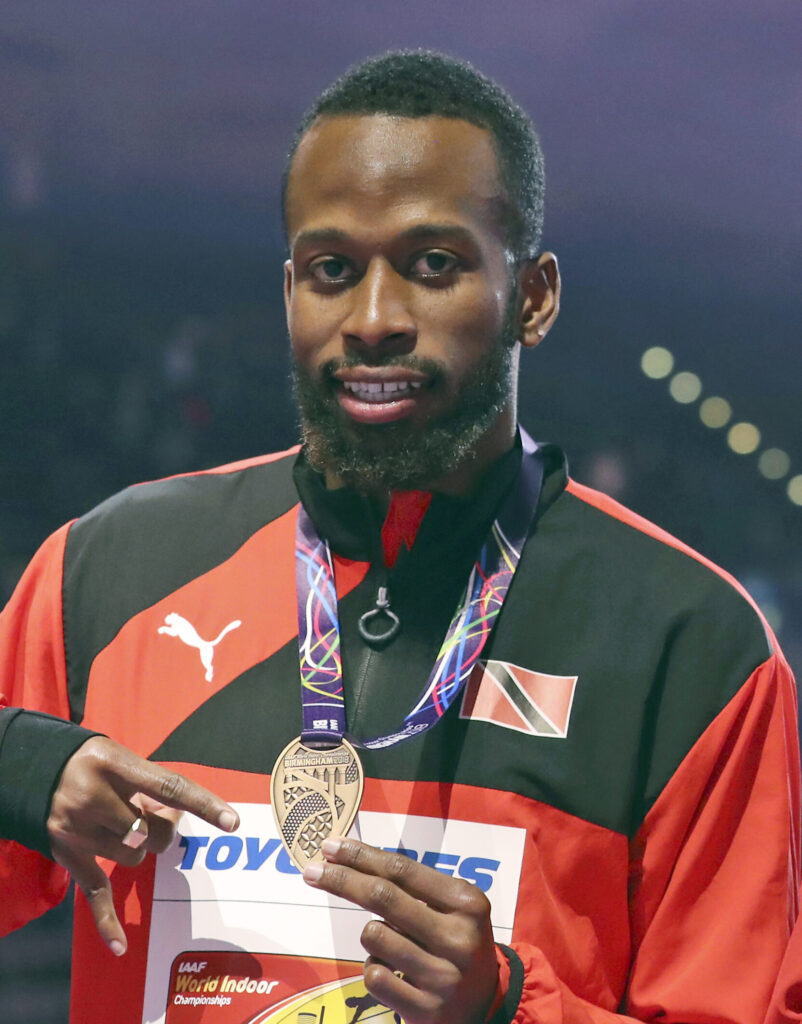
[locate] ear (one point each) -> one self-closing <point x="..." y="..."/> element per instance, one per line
<point x="539" y="283"/>
<point x="287" y="287"/>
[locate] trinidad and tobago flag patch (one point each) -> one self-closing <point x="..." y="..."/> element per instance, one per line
<point x="518" y="698"/>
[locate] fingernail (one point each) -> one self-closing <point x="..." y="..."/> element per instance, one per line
<point x="313" y="871"/>
<point x="228" y="821"/>
<point x="116" y="947"/>
<point x="330" y="846"/>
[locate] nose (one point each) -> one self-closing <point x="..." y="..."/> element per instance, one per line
<point x="380" y="316"/>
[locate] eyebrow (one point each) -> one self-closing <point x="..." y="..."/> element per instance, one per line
<point x="418" y="232"/>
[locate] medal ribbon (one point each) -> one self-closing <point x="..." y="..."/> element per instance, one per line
<point x="319" y="627"/>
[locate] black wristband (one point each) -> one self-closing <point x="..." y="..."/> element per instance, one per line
<point x="34" y="748"/>
<point x="512" y="998"/>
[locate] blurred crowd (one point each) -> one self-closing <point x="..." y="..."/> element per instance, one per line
<point x="103" y="384"/>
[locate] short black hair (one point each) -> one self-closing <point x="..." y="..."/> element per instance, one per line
<point x="423" y="83"/>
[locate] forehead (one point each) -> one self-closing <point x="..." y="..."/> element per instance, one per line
<point x="378" y="168"/>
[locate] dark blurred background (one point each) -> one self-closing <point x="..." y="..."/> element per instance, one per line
<point x="141" y="324"/>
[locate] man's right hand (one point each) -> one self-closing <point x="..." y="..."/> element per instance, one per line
<point x="103" y="789"/>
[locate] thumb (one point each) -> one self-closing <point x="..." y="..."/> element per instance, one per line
<point x="94" y="883"/>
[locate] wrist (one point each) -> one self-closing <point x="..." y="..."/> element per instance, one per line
<point x="34" y="749"/>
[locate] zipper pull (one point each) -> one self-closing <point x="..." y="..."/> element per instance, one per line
<point x="382" y="609"/>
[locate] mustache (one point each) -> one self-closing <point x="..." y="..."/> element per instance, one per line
<point x="430" y="367"/>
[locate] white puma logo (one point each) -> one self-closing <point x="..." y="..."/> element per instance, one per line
<point x="177" y="625"/>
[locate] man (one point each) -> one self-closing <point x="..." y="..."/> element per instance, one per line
<point x="612" y="795"/>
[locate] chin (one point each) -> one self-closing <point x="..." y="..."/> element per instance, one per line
<point x="404" y="454"/>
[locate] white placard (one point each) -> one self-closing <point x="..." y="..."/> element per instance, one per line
<point x="215" y="891"/>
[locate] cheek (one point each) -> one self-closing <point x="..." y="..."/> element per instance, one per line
<point x="470" y="317"/>
<point x="310" y="331"/>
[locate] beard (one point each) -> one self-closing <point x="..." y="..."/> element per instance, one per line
<point x="401" y="455"/>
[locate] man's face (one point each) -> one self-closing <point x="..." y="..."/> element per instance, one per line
<point x="400" y="299"/>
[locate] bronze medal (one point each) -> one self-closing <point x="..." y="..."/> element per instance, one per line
<point x="315" y="794"/>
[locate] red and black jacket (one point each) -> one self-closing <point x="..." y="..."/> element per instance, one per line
<point x="661" y="860"/>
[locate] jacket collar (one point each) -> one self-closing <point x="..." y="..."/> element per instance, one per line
<point x="352" y="522"/>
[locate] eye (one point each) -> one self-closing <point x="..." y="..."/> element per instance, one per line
<point x="434" y="263"/>
<point x="331" y="269"/>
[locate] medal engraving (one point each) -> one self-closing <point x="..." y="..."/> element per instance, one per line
<point x="315" y="794"/>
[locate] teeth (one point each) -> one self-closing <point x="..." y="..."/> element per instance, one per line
<point x="376" y="391"/>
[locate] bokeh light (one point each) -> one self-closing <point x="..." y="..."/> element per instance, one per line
<point x="657" y="362"/>
<point x="795" y="489"/>
<point x="685" y="387"/>
<point x="715" y="412"/>
<point x="743" y="438"/>
<point x="774" y="463"/>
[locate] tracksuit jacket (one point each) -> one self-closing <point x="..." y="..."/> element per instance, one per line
<point x="628" y="740"/>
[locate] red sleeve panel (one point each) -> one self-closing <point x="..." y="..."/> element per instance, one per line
<point x="712" y="861"/>
<point x="32" y="670"/>
<point x="709" y="878"/>
<point x="33" y="675"/>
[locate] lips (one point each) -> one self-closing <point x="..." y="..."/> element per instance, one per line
<point x="373" y="399"/>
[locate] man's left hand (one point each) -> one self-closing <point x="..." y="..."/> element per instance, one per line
<point x="435" y="930"/>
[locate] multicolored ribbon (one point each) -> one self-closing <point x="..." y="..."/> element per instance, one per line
<point x="487" y="586"/>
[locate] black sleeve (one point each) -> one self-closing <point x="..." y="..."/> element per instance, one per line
<point x="509" y="1007"/>
<point x="34" y="748"/>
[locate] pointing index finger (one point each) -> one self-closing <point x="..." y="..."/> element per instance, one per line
<point x="177" y="791"/>
<point x="181" y="793"/>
